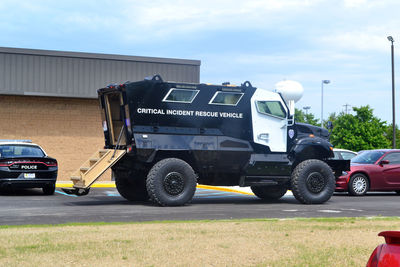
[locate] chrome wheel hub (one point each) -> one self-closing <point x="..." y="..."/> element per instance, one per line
<point x="359" y="185"/>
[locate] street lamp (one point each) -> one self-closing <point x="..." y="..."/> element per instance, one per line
<point x="390" y="38"/>
<point x="322" y="100"/>
<point x="306" y="108"/>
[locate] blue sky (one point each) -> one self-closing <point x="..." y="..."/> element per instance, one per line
<point x="260" y="41"/>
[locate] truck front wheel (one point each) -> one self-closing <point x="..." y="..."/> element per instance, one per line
<point x="313" y="182"/>
<point x="171" y="182"/>
<point x="133" y="189"/>
<point x="273" y="192"/>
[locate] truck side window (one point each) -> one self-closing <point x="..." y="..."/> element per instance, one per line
<point x="180" y="95"/>
<point x="226" y="98"/>
<point x="273" y="108"/>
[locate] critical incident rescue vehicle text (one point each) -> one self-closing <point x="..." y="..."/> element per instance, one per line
<point x="195" y="113"/>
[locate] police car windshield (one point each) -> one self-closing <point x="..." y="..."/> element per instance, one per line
<point x="367" y="157"/>
<point x="15" y="151"/>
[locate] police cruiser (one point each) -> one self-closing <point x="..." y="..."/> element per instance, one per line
<point x="24" y="164"/>
<point x="162" y="138"/>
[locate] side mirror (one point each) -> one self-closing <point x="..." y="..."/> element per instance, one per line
<point x="330" y="125"/>
<point x="383" y="162"/>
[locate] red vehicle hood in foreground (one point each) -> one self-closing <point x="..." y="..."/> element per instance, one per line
<point x="386" y="254"/>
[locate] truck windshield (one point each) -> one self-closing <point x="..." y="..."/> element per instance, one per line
<point x="367" y="157"/>
<point x="13" y="151"/>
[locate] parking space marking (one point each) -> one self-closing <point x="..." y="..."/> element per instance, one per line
<point x="330" y="211"/>
<point x="210" y="193"/>
<point x="65" y="194"/>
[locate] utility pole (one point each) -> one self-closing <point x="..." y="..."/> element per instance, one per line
<point x="345" y="108"/>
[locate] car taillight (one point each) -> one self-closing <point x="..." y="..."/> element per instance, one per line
<point x="374" y="259"/>
<point x="5" y="163"/>
<point x="51" y="163"/>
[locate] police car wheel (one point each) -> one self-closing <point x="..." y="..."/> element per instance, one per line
<point x="131" y="188"/>
<point x="49" y="189"/>
<point x="171" y="182"/>
<point x="273" y="192"/>
<point x="312" y="182"/>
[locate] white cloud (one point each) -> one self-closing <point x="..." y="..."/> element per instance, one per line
<point x="164" y="18"/>
<point x="367" y="39"/>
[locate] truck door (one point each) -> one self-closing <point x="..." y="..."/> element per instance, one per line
<point x="114" y="119"/>
<point x="269" y="120"/>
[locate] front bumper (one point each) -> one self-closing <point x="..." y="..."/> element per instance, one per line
<point x="342" y="184"/>
<point x="26" y="183"/>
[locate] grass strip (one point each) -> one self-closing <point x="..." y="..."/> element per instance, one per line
<point x="238" y="242"/>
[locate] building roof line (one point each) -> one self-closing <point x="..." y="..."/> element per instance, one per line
<point x="53" y="53"/>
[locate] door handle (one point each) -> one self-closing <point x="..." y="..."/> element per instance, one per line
<point x="264" y="136"/>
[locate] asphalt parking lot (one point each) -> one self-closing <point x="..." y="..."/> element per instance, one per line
<point x="29" y="206"/>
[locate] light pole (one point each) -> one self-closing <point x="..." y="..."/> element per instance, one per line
<point x="306" y="108"/>
<point x="390" y="38"/>
<point x="322" y="100"/>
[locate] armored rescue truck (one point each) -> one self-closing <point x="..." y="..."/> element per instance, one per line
<point x="163" y="138"/>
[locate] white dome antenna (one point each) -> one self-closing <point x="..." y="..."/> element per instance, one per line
<point x="291" y="92"/>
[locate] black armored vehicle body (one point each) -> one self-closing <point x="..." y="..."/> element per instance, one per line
<point x="172" y="136"/>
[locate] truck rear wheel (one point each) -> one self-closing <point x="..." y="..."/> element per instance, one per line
<point x="313" y="182"/>
<point x="273" y="192"/>
<point x="131" y="189"/>
<point x="171" y="182"/>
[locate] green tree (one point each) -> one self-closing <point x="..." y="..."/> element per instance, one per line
<point x="309" y="118"/>
<point x="360" y="131"/>
<point x="389" y="134"/>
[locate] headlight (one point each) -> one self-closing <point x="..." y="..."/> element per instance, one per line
<point x="344" y="173"/>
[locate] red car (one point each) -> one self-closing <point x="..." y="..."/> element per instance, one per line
<point x="372" y="170"/>
<point x="386" y="255"/>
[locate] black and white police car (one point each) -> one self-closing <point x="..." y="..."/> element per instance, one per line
<point x="26" y="165"/>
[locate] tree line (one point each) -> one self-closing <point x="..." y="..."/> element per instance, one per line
<point x="361" y="131"/>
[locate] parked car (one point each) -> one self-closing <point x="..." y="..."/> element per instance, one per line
<point x="386" y="255"/>
<point x="343" y="153"/>
<point x="372" y="170"/>
<point x="23" y="164"/>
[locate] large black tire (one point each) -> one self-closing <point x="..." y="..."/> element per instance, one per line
<point x="358" y="185"/>
<point x="312" y="182"/>
<point x="272" y="192"/>
<point x="49" y="189"/>
<point x="171" y="182"/>
<point x="131" y="188"/>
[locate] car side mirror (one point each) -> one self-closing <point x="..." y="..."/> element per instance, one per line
<point x="383" y="162"/>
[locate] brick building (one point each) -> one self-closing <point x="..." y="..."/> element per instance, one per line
<point x="50" y="96"/>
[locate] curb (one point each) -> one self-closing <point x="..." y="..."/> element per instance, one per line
<point x="112" y="185"/>
<point x="98" y="184"/>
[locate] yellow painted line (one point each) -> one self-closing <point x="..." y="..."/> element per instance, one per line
<point x="104" y="185"/>
<point x="223" y="189"/>
<point x="112" y="185"/>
